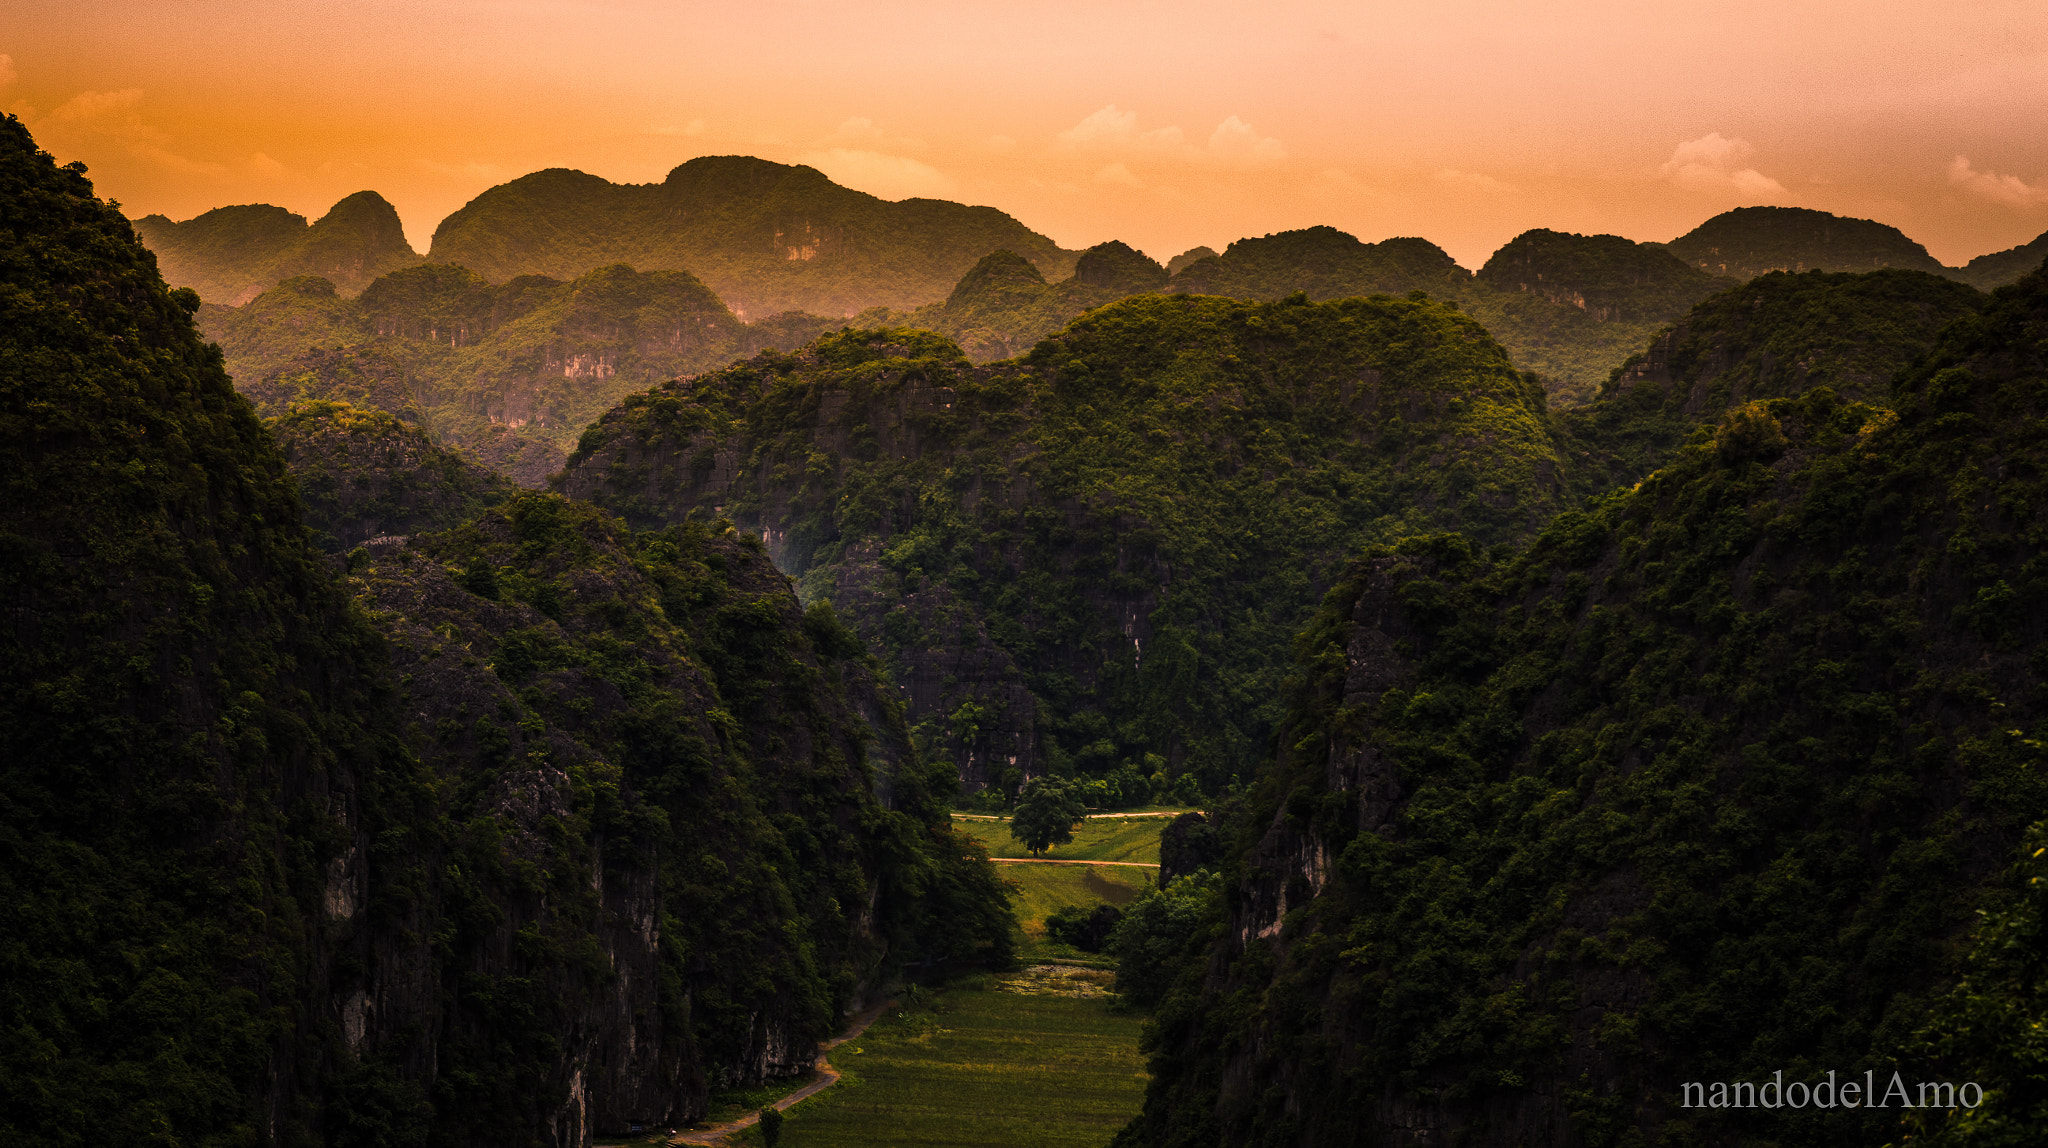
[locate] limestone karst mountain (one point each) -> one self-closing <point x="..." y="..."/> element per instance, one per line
<point x="1704" y="785"/>
<point x="230" y="255"/>
<point x="510" y="372"/>
<point x="1089" y="558"/>
<point x="1569" y="307"/>
<point x="766" y="237"/>
<point x="1986" y="272"/>
<point x="1749" y="241"/>
<point x="517" y="832"/>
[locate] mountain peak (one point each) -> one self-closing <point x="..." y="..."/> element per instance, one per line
<point x="1750" y="241"/>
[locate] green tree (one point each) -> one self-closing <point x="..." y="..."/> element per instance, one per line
<point x="771" y="1126"/>
<point x="1046" y="813"/>
<point x="1989" y="1028"/>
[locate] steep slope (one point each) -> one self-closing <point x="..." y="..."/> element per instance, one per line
<point x="683" y="825"/>
<point x="1986" y="272"/>
<point x="230" y="255"/>
<point x="1324" y="262"/>
<point x="764" y="236"/>
<point x="364" y="474"/>
<point x="187" y="701"/>
<point x="1178" y="262"/>
<point x="1569" y="307"/>
<point x="535" y="827"/>
<point x="1701" y="787"/>
<point x="1003" y="307"/>
<point x="1750" y="241"/>
<point x="1611" y="278"/>
<point x="1092" y="557"/>
<point x="1775" y="337"/>
<point x="511" y="372"/>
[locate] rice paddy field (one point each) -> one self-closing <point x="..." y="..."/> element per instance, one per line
<point x="1097" y="839"/>
<point x="983" y="1065"/>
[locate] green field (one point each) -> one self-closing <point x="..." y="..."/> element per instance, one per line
<point x="1044" y="888"/>
<point x="1097" y="839"/>
<point x="980" y="1067"/>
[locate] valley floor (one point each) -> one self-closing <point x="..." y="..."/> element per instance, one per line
<point x="982" y="1065"/>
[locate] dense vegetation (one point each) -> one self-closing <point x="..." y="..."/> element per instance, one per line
<point x="511" y="373"/>
<point x="230" y="255"/>
<point x="1752" y="241"/>
<point x="363" y="474"/>
<point x="1003" y="306"/>
<point x="765" y="236"/>
<point x="1090" y="560"/>
<point x="1568" y="307"/>
<point x="517" y="831"/>
<point x="2001" y="267"/>
<point x="1702" y="785"/>
<point x="1775" y="337"/>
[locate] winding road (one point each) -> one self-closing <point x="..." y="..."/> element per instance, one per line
<point x="827" y="1077"/>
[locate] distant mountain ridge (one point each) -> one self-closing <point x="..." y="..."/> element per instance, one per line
<point x="230" y="255"/>
<point x="767" y="237"/>
<point x="1752" y="241"/>
<point x="510" y="372"/>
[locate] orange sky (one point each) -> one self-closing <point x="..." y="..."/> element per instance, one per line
<point x="1165" y="123"/>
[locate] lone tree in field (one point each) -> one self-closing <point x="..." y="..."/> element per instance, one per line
<point x="1046" y="813"/>
<point x="771" y="1126"/>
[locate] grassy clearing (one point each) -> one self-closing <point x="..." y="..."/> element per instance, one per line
<point x="980" y="1067"/>
<point x="1097" y="839"/>
<point x="1044" y="888"/>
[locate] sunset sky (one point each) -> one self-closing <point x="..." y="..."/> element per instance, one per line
<point x="1165" y="124"/>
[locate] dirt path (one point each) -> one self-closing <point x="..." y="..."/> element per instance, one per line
<point x="827" y="1077"/>
<point x="1064" y="861"/>
<point x="1090" y="817"/>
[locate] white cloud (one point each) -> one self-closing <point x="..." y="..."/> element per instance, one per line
<point x="888" y="176"/>
<point x="265" y="166"/>
<point x="2009" y="190"/>
<point x="87" y="106"/>
<point x="1118" y="175"/>
<point x="1235" y="139"/>
<point x="1000" y="145"/>
<point x="7" y="73"/>
<point x="1716" y="163"/>
<point x="1112" y="129"/>
<point x="1476" y="181"/>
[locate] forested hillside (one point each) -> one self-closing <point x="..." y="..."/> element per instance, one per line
<point x="1703" y="785"/>
<point x="511" y="372"/>
<point x="1752" y="241"/>
<point x="230" y="255"/>
<point x="1569" y="307"/>
<point x="526" y="829"/>
<point x="1003" y="306"/>
<point x="767" y="237"/>
<point x="1092" y="558"/>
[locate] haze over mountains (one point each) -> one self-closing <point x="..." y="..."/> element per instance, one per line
<point x="514" y="706"/>
<point x="769" y="239"/>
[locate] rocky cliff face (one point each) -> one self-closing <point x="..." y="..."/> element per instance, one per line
<point x="1611" y="278"/>
<point x="517" y="832"/>
<point x="766" y="237"/>
<point x="1701" y="786"/>
<point x="510" y="373"/>
<point x="1777" y="336"/>
<point x="1080" y="559"/>
<point x="1752" y="241"/>
<point x="364" y="474"/>
<point x="230" y="255"/>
